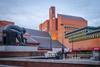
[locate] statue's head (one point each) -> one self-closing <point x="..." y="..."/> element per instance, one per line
<point x="23" y="30"/>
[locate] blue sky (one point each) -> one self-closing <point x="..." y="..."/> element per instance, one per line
<point x="30" y="13"/>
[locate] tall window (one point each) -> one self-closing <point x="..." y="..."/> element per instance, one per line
<point x="56" y="24"/>
<point x="48" y="26"/>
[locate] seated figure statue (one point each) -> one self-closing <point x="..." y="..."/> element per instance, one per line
<point x="11" y="32"/>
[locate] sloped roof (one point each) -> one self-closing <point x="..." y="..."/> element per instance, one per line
<point x="31" y="40"/>
<point x="71" y="17"/>
<point x="44" y="39"/>
<point x="44" y="42"/>
<point x="37" y="33"/>
<point x="56" y="44"/>
<point x="48" y="45"/>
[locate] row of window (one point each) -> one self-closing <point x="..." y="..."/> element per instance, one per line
<point x="77" y="33"/>
<point x="80" y="32"/>
<point x="85" y="37"/>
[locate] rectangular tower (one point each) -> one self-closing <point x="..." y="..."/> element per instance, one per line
<point x="52" y="23"/>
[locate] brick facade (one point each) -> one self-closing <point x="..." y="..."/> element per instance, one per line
<point x="4" y="23"/>
<point x="57" y="31"/>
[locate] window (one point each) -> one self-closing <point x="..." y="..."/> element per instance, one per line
<point x="56" y="24"/>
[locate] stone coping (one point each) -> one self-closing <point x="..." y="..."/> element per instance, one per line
<point x="8" y="66"/>
<point x="67" y="61"/>
<point x="18" y="48"/>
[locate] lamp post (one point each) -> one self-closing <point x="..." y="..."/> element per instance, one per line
<point x="62" y="43"/>
<point x="50" y="43"/>
<point x="72" y="45"/>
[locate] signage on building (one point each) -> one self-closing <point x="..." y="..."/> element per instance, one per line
<point x="96" y="48"/>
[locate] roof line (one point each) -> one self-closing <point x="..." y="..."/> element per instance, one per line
<point x="73" y="17"/>
<point x="41" y="37"/>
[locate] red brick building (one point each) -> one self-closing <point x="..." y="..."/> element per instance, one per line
<point x="4" y="23"/>
<point x="72" y="31"/>
<point x="53" y="25"/>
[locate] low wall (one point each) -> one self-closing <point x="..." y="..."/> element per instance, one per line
<point x="18" y="51"/>
<point x="49" y="63"/>
<point x="21" y="54"/>
<point x="15" y="54"/>
<point x="18" y="48"/>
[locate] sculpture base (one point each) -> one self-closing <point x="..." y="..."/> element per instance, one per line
<point x="17" y="51"/>
<point x="18" y="48"/>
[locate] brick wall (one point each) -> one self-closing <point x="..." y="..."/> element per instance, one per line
<point x="4" y="23"/>
<point x="44" y="26"/>
<point x="71" y="23"/>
